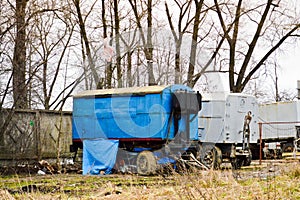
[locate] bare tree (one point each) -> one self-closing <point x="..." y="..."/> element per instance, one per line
<point x="178" y="34"/>
<point x="199" y="5"/>
<point x="146" y="40"/>
<point x="83" y="34"/>
<point x="130" y="44"/>
<point x="47" y="49"/>
<point x="193" y="22"/>
<point x="240" y="76"/>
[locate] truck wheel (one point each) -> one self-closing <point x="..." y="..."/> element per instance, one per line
<point x="211" y="156"/>
<point x="146" y="163"/>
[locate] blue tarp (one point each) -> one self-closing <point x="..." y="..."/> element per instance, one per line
<point x="99" y="155"/>
<point x="128" y="113"/>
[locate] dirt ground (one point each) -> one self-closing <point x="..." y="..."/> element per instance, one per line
<point x="273" y="179"/>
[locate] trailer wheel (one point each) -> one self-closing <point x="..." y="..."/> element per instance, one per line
<point x="211" y="156"/>
<point x="288" y="147"/>
<point x="146" y="163"/>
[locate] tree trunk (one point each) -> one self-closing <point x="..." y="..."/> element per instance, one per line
<point x="19" y="58"/>
<point x="149" y="55"/>
<point x="194" y="43"/>
<point x="129" y="68"/>
<point x="108" y="67"/>
<point x="117" y="39"/>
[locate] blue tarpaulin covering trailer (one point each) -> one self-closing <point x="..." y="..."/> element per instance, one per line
<point x="141" y="119"/>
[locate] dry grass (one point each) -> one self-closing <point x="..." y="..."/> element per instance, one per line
<point x="274" y="181"/>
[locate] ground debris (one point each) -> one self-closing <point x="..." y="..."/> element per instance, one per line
<point x="42" y="167"/>
<point x="46" y="167"/>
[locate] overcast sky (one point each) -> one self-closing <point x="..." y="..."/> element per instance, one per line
<point x="290" y="72"/>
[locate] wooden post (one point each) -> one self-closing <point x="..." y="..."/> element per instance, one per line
<point x="260" y="141"/>
<point x="38" y="135"/>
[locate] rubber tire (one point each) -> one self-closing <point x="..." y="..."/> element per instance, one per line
<point x="213" y="153"/>
<point x="288" y="147"/>
<point x="146" y="163"/>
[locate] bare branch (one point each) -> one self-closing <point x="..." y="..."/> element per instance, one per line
<point x="266" y="56"/>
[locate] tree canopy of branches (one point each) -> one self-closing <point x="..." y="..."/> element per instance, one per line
<point x="48" y="49"/>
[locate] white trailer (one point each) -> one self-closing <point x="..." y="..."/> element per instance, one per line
<point x="224" y="123"/>
<point x="280" y="124"/>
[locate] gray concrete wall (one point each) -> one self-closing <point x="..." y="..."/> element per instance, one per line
<point x="39" y="134"/>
